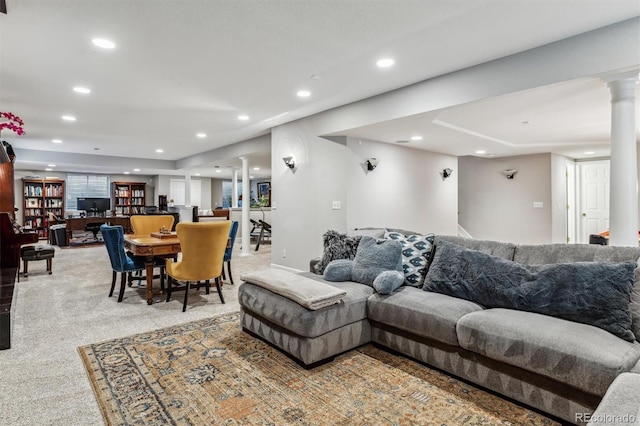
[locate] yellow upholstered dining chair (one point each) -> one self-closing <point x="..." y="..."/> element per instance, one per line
<point x="203" y="245"/>
<point x="146" y="224"/>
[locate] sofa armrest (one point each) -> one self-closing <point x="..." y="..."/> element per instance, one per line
<point x="620" y="405"/>
<point x="313" y="265"/>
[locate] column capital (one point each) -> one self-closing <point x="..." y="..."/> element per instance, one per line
<point x="623" y="88"/>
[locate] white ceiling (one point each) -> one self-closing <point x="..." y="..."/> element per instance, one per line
<point x="183" y="67"/>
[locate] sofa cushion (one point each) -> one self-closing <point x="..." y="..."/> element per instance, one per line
<point x="595" y="293"/>
<point x="375" y="256"/>
<point x="291" y="316"/>
<point x="580" y="355"/>
<point x="415" y="255"/>
<point x="494" y="248"/>
<point x="336" y="246"/>
<point x="542" y="254"/>
<point x="424" y="314"/>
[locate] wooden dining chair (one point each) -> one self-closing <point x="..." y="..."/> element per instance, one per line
<point x="202" y="245"/>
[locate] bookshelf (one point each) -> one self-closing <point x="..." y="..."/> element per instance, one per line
<point x="128" y="198"/>
<point x="42" y="196"/>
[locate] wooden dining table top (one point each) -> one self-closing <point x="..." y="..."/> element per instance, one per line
<point x="147" y="245"/>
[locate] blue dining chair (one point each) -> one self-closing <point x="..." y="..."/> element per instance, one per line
<point x="229" y="250"/>
<point x="114" y="242"/>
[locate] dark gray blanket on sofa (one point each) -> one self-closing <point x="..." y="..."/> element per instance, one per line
<point x="595" y="293"/>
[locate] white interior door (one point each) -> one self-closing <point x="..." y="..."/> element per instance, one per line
<point x="594" y="198"/>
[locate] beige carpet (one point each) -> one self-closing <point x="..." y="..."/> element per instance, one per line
<point x="210" y="372"/>
<point x="42" y="378"/>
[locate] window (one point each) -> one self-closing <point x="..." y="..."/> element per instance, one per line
<point x="227" y="191"/>
<point x="86" y="186"/>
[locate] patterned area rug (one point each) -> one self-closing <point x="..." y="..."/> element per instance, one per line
<point x="210" y="372"/>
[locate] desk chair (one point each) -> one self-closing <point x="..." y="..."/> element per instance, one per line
<point x="203" y="246"/>
<point x="598" y="239"/>
<point x="94" y="228"/>
<point x="229" y="250"/>
<point x="114" y="242"/>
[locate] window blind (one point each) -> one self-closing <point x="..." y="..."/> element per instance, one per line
<point x="85" y="186"/>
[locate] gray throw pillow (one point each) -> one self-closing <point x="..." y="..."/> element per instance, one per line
<point x="338" y="270"/>
<point x="336" y="246"/>
<point x="388" y="281"/>
<point x="375" y="256"/>
<point x="594" y="293"/>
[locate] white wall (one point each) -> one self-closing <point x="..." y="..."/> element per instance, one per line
<point x="493" y="207"/>
<point x="405" y="191"/>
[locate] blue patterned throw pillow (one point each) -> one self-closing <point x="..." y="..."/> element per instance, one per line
<point x="415" y="255"/>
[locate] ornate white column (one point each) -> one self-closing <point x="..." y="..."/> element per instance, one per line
<point x="234" y="189"/>
<point x="246" y="205"/>
<point x="623" y="198"/>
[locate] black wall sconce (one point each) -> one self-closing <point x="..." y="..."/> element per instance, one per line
<point x="510" y="173"/>
<point x="289" y="161"/>
<point x="446" y="173"/>
<point x="371" y="163"/>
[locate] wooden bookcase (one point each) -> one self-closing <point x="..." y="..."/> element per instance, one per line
<point x="128" y="197"/>
<point x="42" y="196"/>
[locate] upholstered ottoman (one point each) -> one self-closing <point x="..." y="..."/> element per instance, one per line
<point x="311" y="337"/>
<point x="37" y="252"/>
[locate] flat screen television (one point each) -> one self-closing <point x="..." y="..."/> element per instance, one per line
<point x="94" y="205"/>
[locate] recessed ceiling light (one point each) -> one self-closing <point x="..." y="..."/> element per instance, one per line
<point x="251" y="176"/>
<point x="159" y="150"/>
<point x="136" y="170"/>
<point x="51" y="165"/>
<point x="48" y="169"/>
<point x="56" y="140"/>
<point x="385" y="63"/>
<point x="303" y="93"/>
<point x="82" y="90"/>
<point x="256" y="168"/>
<point x="126" y="173"/>
<point x="197" y="174"/>
<point x="201" y="135"/>
<point x="218" y="171"/>
<point x="481" y="151"/>
<point x="68" y="118"/>
<point x="243" y="117"/>
<point x="104" y="43"/>
<point x="416" y="138"/>
<point x="589" y="153"/>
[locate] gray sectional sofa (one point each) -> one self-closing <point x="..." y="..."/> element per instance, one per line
<point x="560" y="367"/>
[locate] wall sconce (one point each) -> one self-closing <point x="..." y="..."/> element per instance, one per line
<point x="510" y="173"/>
<point x="371" y="163"/>
<point x="446" y="173"/>
<point x="289" y="161"/>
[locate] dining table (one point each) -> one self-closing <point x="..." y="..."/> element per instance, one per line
<point x="150" y="246"/>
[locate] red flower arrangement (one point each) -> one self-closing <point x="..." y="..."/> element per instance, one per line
<point x="14" y="123"/>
